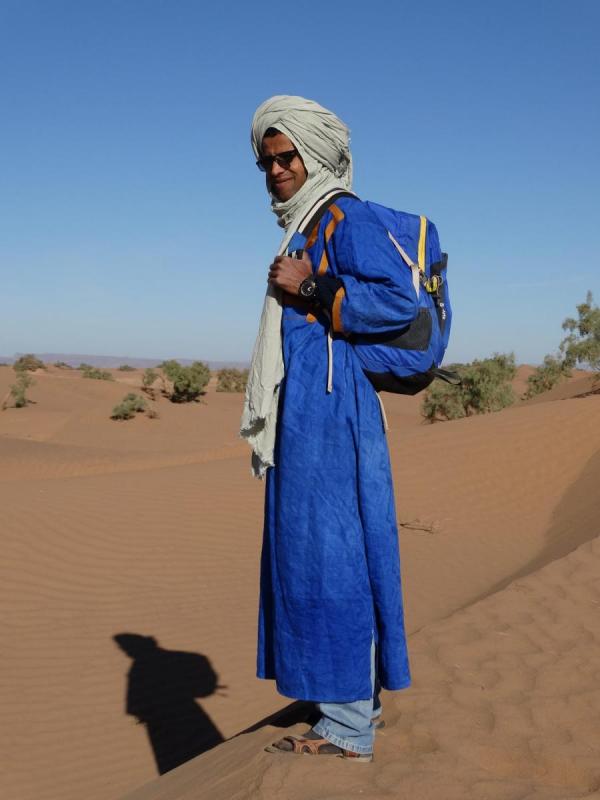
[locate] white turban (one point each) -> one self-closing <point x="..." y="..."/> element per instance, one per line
<point x="322" y="140"/>
<point x="323" y="143"/>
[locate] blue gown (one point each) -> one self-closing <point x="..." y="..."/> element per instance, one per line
<point x="330" y="567"/>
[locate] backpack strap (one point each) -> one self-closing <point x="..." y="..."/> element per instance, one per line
<point x="416" y="277"/>
<point x="309" y="227"/>
<point x="433" y="283"/>
<point x="317" y="212"/>
<point x="447" y="375"/>
<point x="422" y="245"/>
<point x="311" y="219"/>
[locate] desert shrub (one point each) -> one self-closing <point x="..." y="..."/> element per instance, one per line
<point x="485" y="387"/>
<point x="582" y="345"/>
<point x="83" y="366"/>
<point x="29" y="363"/>
<point x="442" y="401"/>
<point x="18" y="389"/>
<point x="129" y="406"/>
<point x="126" y="368"/>
<point x="148" y="378"/>
<point x="187" y="383"/>
<point x="546" y="376"/>
<point x="170" y="367"/>
<point x="4" y="364"/>
<point x="97" y="374"/>
<point x="62" y="365"/>
<point x="232" y="380"/>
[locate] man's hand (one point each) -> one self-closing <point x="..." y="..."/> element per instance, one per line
<point x="288" y="273"/>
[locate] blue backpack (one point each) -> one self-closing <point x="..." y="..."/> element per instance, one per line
<point x="407" y="360"/>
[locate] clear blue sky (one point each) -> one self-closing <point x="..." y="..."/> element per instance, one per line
<point x="134" y="221"/>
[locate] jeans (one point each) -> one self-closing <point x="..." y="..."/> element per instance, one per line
<point x="350" y="725"/>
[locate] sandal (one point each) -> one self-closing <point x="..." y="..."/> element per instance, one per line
<point x="306" y="745"/>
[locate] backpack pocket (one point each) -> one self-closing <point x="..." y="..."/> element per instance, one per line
<point x="416" y="336"/>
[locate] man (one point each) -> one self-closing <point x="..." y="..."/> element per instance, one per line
<point x="331" y="615"/>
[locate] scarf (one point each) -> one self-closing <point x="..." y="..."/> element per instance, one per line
<point x="322" y="140"/>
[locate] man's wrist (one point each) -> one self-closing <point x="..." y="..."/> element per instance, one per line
<point x="309" y="290"/>
<point x="327" y="286"/>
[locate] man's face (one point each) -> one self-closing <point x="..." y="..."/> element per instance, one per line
<point x="283" y="181"/>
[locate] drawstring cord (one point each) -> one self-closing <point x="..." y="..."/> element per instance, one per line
<point x="386" y="427"/>
<point x="329" y="362"/>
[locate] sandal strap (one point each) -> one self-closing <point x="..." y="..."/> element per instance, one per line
<point x="302" y="746"/>
<point x="310" y="746"/>
<point x="352" y="754"/>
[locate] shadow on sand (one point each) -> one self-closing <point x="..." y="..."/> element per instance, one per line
<point x="292" y="714"/>
<point x="162" y="687"/>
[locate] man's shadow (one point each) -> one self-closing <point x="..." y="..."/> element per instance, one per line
<point x="162" y="687"/>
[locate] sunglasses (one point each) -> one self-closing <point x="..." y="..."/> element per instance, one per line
<point x="265" y="163"/>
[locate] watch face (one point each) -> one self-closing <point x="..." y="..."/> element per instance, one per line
<point x="307" y="287"/>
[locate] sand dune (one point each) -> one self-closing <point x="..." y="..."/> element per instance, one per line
<point x="152" y="527"/>
<point x="68" y="432"/>
<point x="504" y="705"/>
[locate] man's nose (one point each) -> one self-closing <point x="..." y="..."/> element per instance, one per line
<point x="276" y="169"/>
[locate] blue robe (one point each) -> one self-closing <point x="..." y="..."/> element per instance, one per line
<point x="330" y="567"/>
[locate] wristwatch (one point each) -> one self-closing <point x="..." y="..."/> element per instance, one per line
<point x="309" y="290"/>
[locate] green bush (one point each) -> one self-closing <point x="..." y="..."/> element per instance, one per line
<point x="232" y="380"/>
<point x="62" y="365"/>
<point x="96" y="374"/>
<point x="126" y="368"/>
<point x="28" y="363"/>
<point x="148" y="378"/>
<point x="83" y="366"/>
<point x="546" y="376"/>
<point x="170" y="367"/>
<point x="17" y="390"/>
<point x="442" y="402"/>
<point x="129" y="406"/>
<point x="187" y="383"/>
<point x="485" y="387"/>
<point x="582" y="345"/>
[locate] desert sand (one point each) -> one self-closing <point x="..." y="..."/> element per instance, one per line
<point x="149" y="530"/>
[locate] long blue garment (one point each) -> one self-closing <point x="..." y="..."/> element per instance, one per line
<point x="330" y="567"/>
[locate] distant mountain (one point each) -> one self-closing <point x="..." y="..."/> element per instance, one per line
<point x="75" y="359"/>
